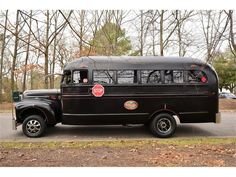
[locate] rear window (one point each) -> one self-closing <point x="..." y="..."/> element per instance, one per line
<point x="197" y="76"/>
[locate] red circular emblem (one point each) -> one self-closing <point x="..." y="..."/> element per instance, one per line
<point x="98" y="90"/>
<point x="203" y="79"/>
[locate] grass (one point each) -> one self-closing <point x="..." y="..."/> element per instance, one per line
<point x="119" y="143"/>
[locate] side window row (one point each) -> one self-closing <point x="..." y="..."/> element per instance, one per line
<point x="131" y="76"/>
<point x="149" y="76"/>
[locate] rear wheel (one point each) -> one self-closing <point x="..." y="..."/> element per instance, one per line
<point x="163" y="125"/>
<point x="34" y="126"/>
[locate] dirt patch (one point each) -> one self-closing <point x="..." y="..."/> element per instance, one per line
<point x="5" y="107"/>
<point x="227" y="104"/>
<point x="136" y="154"/>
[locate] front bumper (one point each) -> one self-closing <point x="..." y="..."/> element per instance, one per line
<point x="14" y="124"/>
<point x="218" y="118"/>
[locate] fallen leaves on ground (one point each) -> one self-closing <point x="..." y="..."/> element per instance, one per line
<point x="143" y="155"/>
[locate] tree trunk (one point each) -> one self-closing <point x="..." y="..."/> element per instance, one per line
<point x="46" y="51"/>
<point x="15" y="51"/>
<point x="141" y="34"/>
<point x="54" y="55"/>
<point x="161" y="33"/>
<point x="179" y="33"/>
<point x="153" y="39"/>
<point x="82" y="14"/>
<point x="232" y="34"/>
<point x="2" y="55"/>
<point x="27" y="53"/>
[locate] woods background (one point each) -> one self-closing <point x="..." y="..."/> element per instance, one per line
<point x="34" y="44"/>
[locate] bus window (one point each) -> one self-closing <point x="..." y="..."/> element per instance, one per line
<point x="150" y="77"/>
<point x="103" y="77"/>
<point x="178" y="77"/>
<point x="67" y="77"/>
<point x="126" y="77"/>
<point x="80" y="76"/>
<point x="196" y="76"/>
<point x="168" y="76"/>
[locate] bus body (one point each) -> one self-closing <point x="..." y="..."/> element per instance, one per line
<point x="128" y="90"/>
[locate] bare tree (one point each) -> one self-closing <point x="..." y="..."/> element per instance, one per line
<point x="67" y="21"/>
<point x="161" y="32"/>
<point x="153" y="30"/>
<point x="54" y="53"/>
<point x="46" y="48"/>
<point x="45" y="43"/>
<point x="15" y="50"/>
<point x="27" y="51"/>
<point x="142" y="26"/>
<point x="170" y="21"/>
<point x="232" y="33"/>
<point x="183" y="39"/>
<point x="141" y="32"/>
<point x="82" y="19"/>
<point x="2" y="54"/>
<point x="213" y="30"/>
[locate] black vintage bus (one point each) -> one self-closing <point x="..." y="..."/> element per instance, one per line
<point x="155" y="91"/>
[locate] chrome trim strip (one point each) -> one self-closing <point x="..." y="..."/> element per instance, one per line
<point x="135" y="95"/>
<point x="111" y="114"/>
<point x="199" y="112"/>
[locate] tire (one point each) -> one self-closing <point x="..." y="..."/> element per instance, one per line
<point x="163" y="125"/>
<point x="34" y="126"/>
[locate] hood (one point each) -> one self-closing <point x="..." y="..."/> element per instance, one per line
<point x="41" y="93"/>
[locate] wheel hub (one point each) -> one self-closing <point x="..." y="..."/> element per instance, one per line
<point x="33" y="126"/>
<point x="164" y="125"/>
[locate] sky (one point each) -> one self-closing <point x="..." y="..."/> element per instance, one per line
<point x="119" y="4"/>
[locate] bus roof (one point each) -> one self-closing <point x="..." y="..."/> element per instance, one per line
<point x="132" y="62"/>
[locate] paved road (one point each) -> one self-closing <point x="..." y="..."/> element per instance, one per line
<point x="227" y="128"/>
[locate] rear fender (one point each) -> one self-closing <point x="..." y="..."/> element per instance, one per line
<point x="168" y="111"/>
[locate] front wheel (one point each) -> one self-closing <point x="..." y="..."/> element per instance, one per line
<point x="163" y="125"/>
<point x="34" y="126"/>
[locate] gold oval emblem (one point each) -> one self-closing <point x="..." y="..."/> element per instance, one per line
<point x="131" y="105"/>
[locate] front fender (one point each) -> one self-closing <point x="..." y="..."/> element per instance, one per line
<point x="35" y="106"/>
